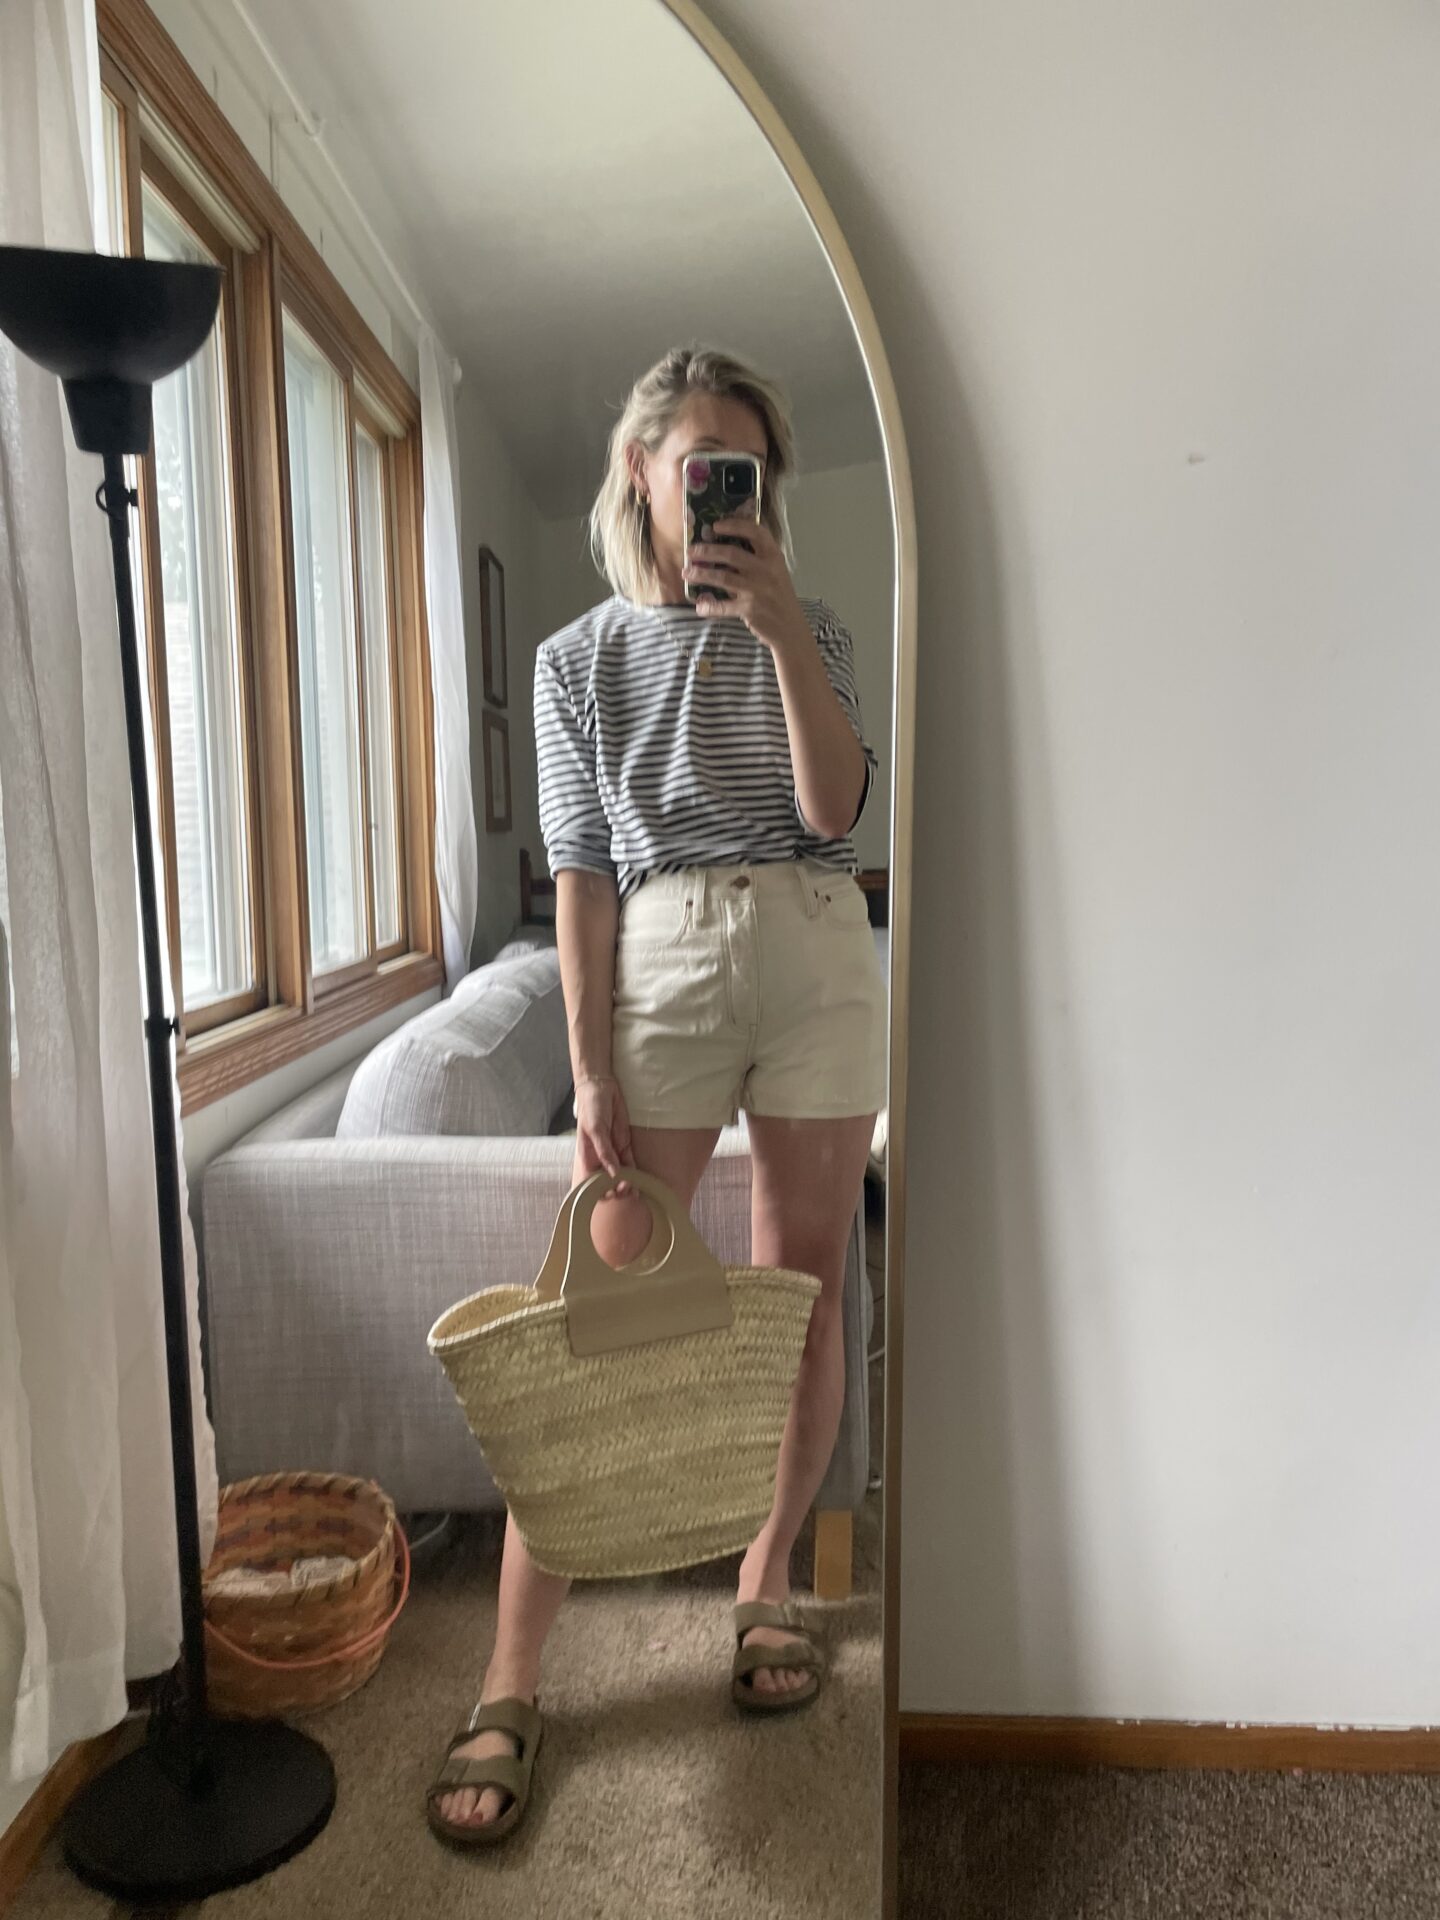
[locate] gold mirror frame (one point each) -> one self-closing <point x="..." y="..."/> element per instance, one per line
<point x="902" y="506"/>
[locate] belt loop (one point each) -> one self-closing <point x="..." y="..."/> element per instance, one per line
<point x="809" y="893"/>
<point x="700" y="892"/>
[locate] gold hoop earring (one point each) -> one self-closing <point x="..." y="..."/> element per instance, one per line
<point x="642" y="501"/>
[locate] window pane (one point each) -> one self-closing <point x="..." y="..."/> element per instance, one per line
<point x="379" y="706"/>
<point x="325" y="613"/>
<point x="202" y="654"/>
<point x="112" y="240"/>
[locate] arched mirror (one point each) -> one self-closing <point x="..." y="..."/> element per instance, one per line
<point x="577" y="236"/>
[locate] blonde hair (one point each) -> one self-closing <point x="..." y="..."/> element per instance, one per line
<point x="619" y="520"/>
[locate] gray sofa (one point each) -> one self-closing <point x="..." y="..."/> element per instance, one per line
<point x="329" y="1252"/>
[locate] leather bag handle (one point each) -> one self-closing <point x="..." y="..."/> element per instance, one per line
<point x="551" y="1277"/>
<point x="682" y="1291"/>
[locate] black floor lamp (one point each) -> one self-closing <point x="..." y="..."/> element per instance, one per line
<point x="204" y="1803"/>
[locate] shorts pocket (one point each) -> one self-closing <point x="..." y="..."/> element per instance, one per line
<point x="842" y="903"/>
<point x="657" y="921"/>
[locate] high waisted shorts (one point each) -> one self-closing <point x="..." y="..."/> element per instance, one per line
<point x="748" y="986"/>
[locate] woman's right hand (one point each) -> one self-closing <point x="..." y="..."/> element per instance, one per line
<point x="602" y="1127"/>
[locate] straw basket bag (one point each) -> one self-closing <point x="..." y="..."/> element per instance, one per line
<point x="300" y="1644"/>
<point x="631" y="1417"/>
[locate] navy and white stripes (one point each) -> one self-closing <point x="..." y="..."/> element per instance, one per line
<point x="662" y="744"/>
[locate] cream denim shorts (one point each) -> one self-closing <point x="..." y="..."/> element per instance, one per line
<point x="748" y="986"/>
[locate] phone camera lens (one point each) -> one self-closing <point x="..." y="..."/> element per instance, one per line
<point x="739" y="479"/>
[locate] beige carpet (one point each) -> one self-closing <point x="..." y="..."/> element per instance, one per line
<point x="1097" y="1843"/>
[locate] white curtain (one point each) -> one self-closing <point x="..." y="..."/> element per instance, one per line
<point x="85" y="1478"/>
<point x="456" y="856"/>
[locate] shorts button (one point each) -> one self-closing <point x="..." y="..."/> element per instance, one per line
<point x="742" y="882"/>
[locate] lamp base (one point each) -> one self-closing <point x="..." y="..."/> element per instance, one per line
<point x="139" y="1834"/>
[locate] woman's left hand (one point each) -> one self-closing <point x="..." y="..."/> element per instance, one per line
<point x="758" y="581"/>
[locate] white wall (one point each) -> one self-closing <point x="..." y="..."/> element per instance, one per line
<point x="566" y="585"/>
<point x="497" y="512"/>
<point x="572" y="582"/>
<point x="1161" y="291"/>
<point x="840" y="526"/>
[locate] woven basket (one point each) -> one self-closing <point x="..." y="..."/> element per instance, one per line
<point x="310" y="1645"/>
<point x="632" y="1418"/>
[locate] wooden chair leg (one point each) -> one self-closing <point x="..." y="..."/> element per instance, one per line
<point x="834" y="1553"/>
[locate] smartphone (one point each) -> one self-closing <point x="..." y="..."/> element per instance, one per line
<point x="718" y="486"/>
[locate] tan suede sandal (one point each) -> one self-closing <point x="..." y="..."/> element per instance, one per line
<point x="509" y="1772"/>
<point x="792" y="1655"/>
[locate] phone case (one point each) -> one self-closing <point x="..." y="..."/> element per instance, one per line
<point x="708" y="500"/>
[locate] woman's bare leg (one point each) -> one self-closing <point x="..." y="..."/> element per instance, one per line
<point x="807" y="1180"/>
<point x="529" y="1598"/>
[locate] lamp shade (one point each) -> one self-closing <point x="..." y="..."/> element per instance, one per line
<point x="109" y="327"/>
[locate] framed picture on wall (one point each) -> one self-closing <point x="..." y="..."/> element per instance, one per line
<point x="492" y="629"/>
<point x="496" y="733"/>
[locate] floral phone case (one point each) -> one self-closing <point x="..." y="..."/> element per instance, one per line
<point x="718" y="486"/>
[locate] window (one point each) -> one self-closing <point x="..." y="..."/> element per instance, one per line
<point x="200" y="622"/>
<point x="326" y="627"/>
<point x="377" y="645"/>
<point x="346" y="658"/>
<point x="279" y="583"/>
<point x="112" y="130"/>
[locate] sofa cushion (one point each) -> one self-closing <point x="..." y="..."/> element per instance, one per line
<point x="526" y="940"/>
<point x="493" y="1060"/>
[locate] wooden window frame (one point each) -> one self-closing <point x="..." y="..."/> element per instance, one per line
<point x="224" y="1049"/>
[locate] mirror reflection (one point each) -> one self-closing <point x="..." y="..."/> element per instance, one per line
<point x="517" y="581"/>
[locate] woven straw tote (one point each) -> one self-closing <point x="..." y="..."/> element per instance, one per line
<point x="631" y="1417"/>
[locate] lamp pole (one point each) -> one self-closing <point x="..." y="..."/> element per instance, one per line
<point x="187" y="1754"/>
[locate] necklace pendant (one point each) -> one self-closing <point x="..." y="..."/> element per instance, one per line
<point x="704" y="667"/>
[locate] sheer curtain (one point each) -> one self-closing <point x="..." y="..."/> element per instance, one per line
<point x="85" y="1481"/>
<point x="456" y="854"/>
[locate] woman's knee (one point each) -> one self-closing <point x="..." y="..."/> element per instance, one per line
<point x="803" y="1245"/>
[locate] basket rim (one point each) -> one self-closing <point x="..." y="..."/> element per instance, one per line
<point x="535" y="1309"/>
<point x="352" y="1650"/>
<point x="237" y="1491"/>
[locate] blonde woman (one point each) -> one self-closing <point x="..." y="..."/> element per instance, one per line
<point x="702" y="768"/>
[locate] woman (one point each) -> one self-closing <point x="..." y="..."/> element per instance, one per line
<point x="701" y="770"/>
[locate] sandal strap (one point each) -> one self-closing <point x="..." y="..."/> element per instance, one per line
<point x="764" y="1613"/>
<point x="510" y="1715"/>
<point x="510" y="1772"/>
<point x="500" y="1770"/>
<point x="795" y="1656"/>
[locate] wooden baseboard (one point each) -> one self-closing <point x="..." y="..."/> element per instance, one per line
<point x="23" y="1841"/>
<point x="963" y="1739"/>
